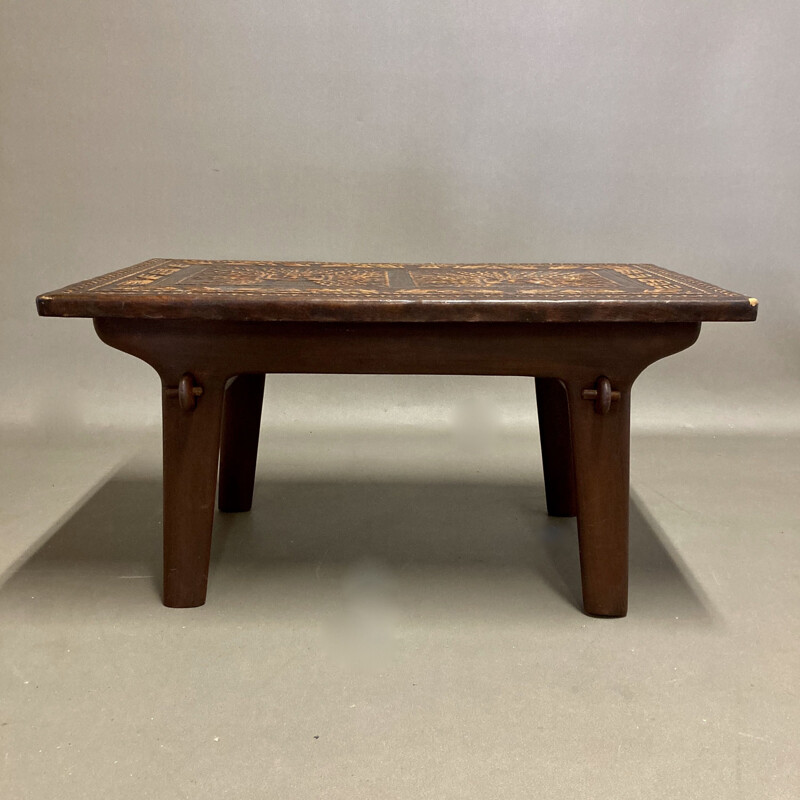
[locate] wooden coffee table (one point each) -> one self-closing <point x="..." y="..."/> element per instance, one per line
<point x="212" y="329"/>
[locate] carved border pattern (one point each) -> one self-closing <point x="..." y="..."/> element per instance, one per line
<point x="305" y="280"/>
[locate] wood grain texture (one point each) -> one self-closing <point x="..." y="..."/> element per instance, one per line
<point x="589" y="476"/>
<point x="278" y="291"/>
<point x="213" y="329"/>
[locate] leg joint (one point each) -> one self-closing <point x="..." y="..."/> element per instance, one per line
<point x="602" y="394"/>
<point x="187" y="391"/>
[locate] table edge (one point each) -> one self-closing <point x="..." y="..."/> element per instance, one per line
<point x="257" y="309"/>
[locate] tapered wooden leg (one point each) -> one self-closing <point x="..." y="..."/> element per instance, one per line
<point x="241" y="423"/>
<point x="601" y="448"/>
<point x="554" y="434"/>
<point x="191" y="451"/>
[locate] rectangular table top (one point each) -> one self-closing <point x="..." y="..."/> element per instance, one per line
<point x="164" y="288"/>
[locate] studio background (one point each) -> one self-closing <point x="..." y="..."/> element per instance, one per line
<point x="397" y="616"/>
<point x="410" y="131"/>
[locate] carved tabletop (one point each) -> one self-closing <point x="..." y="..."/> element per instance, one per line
<point x="163" y="288"/>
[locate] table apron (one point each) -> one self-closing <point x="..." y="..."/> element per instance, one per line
<point x="223" y="349"/>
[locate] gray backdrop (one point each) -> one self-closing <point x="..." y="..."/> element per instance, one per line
<point x="401" y="131"/>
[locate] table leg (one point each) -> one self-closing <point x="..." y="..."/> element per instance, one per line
<point x="241" y="424"/>
<point x="601" y="448"/>
<point x="554" y="434"/>
<point x="191" y="451"/>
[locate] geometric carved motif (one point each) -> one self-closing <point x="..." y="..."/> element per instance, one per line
<point x="305" y="280"/>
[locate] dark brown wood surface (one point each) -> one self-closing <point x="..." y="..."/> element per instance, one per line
<point x="213" y="329"/>
<point x="273" y="291"/>
<point x="212" y="389"/>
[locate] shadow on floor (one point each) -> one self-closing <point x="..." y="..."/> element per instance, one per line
<point x="496" y="536"/>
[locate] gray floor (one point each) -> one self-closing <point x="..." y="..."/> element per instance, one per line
<point x="398" y="618"/>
